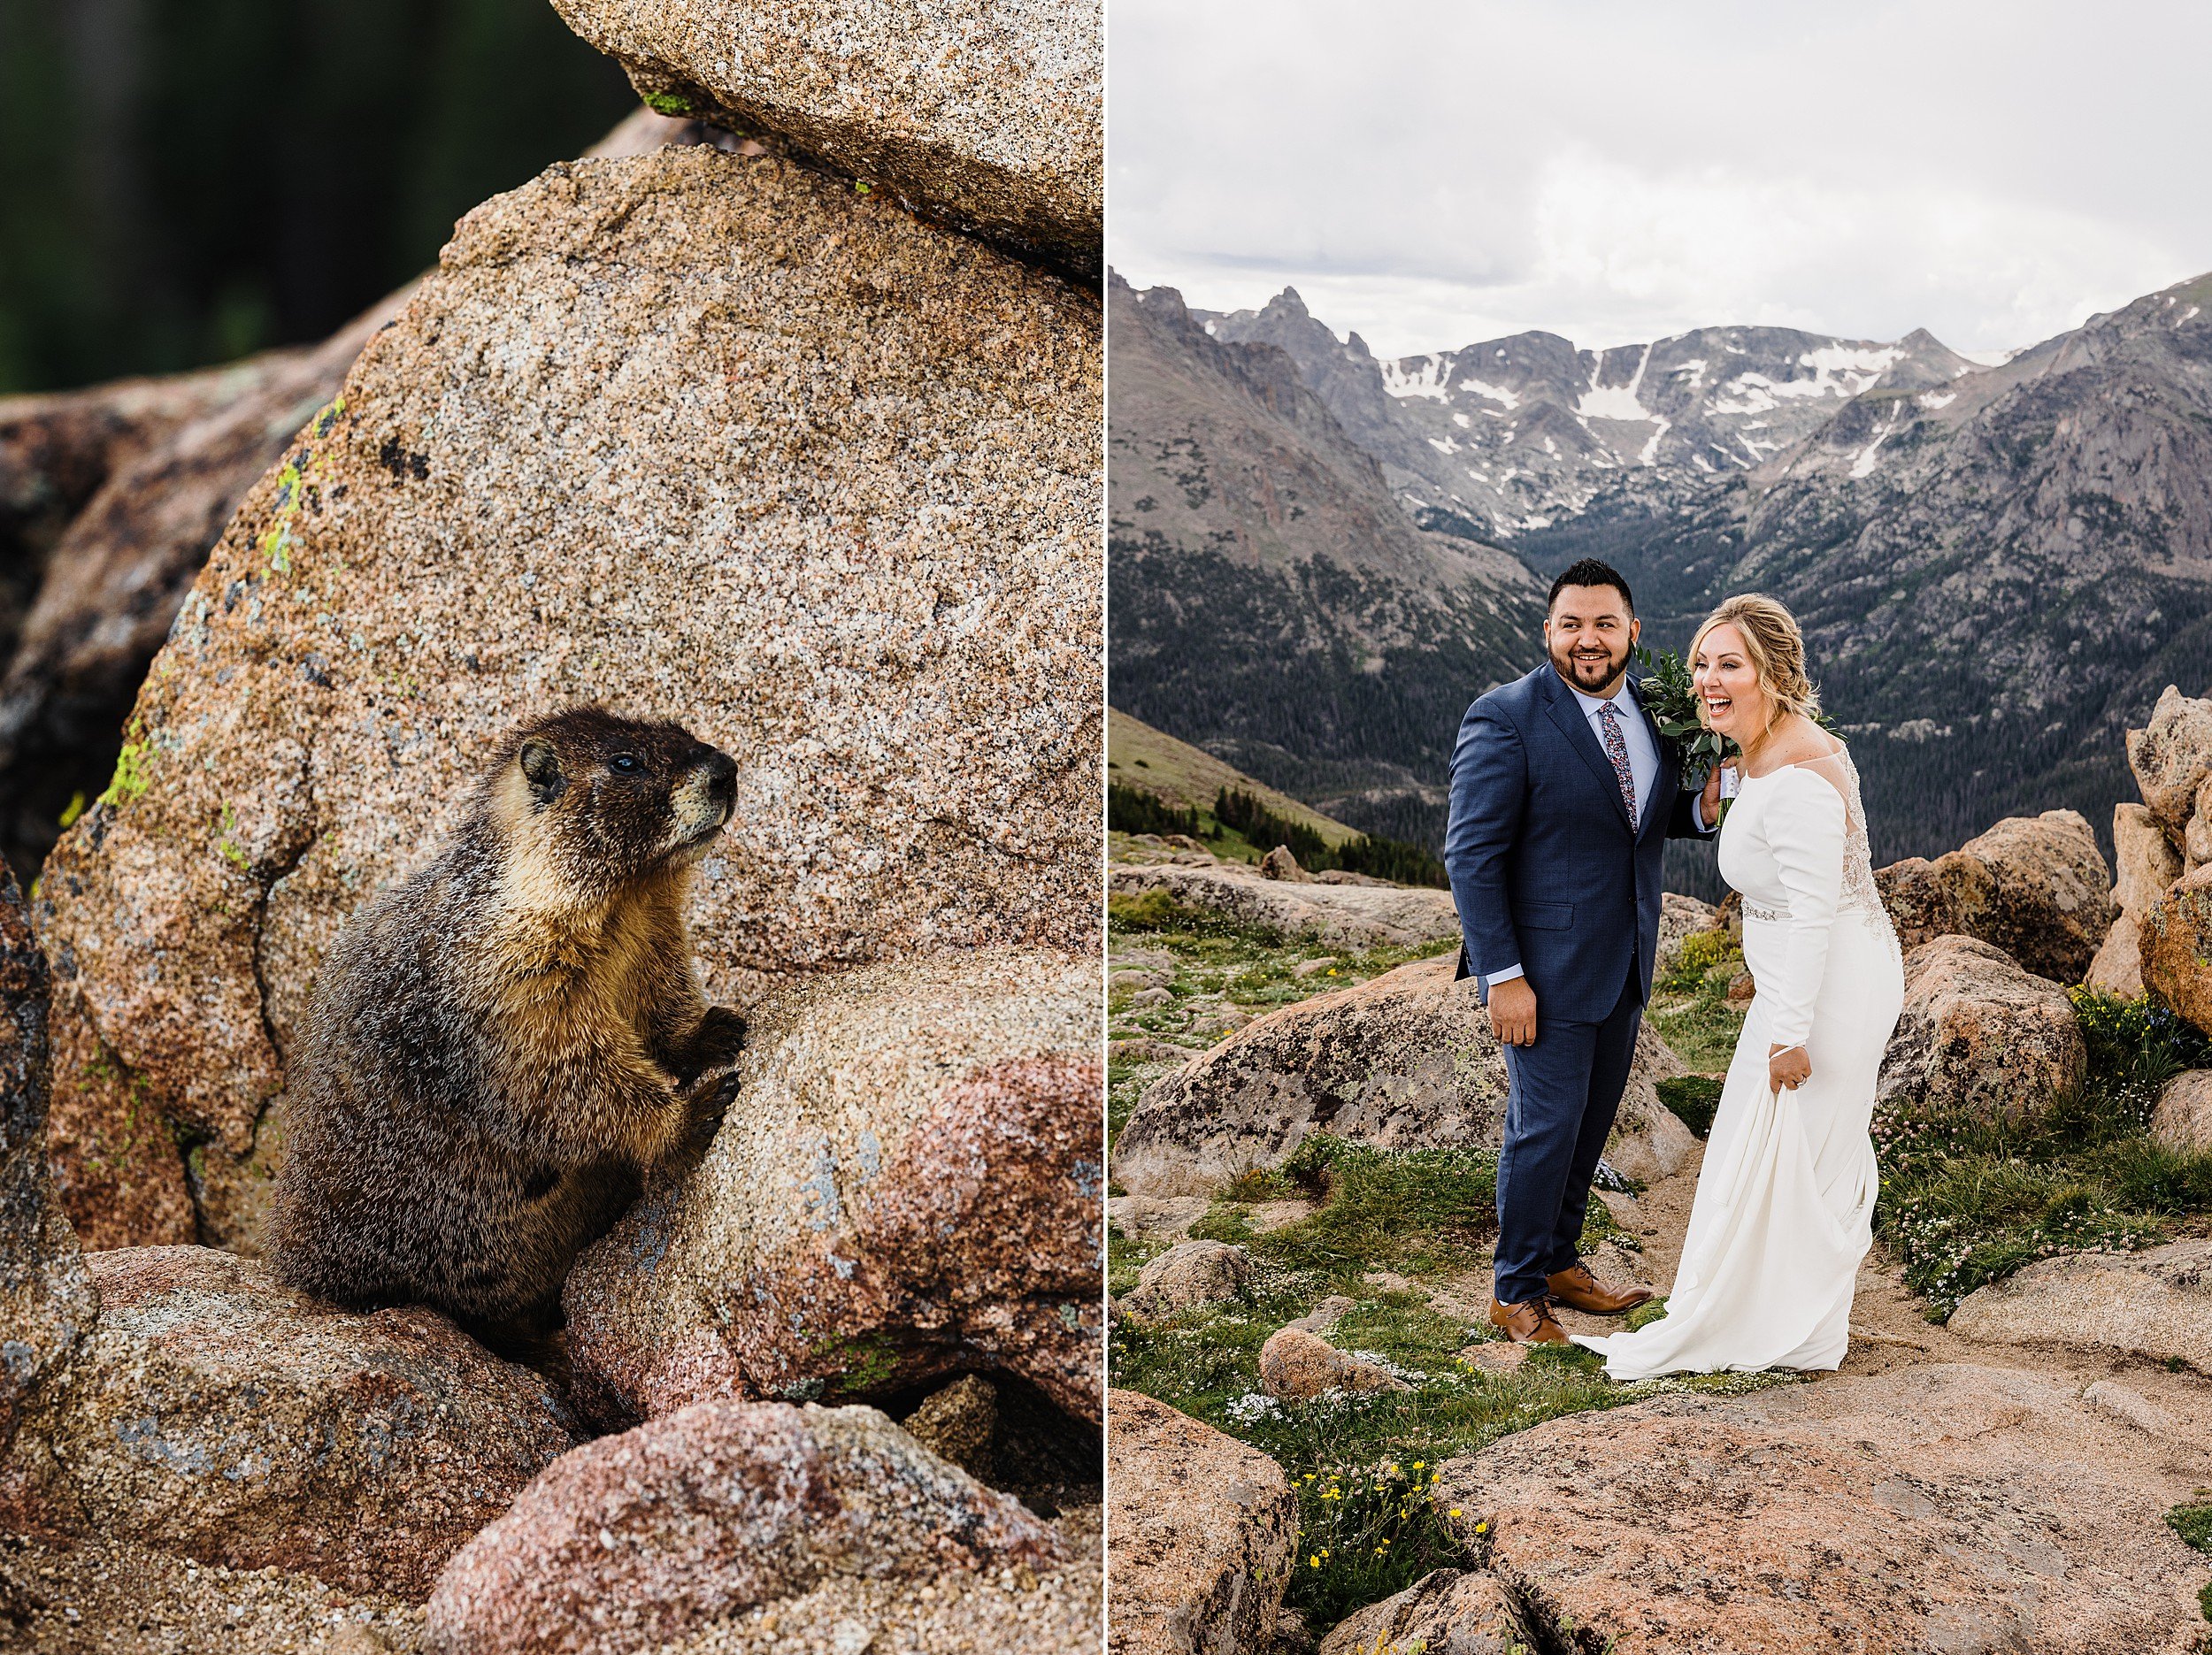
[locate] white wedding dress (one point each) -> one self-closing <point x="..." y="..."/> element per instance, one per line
<point x="1785" y="1205"/>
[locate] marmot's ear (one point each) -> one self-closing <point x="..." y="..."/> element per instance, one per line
<point x="541" y="768"/>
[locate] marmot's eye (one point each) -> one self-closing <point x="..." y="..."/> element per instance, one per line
<point x="625" y="763"/>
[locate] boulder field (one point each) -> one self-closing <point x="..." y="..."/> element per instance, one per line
<point x="2010" y="1481"/>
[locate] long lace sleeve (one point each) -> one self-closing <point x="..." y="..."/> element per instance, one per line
<point x="1805" y="826"/>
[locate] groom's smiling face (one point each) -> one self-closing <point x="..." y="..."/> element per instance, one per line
<point x="1589" y="635"/>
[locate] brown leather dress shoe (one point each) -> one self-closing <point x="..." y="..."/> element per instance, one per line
<point x="1577" y="1289"/>
<point x="1531" y="1323"/>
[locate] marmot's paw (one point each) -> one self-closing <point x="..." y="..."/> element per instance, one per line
<point x="708" y="1104"/>
<point x="719" y="1037"/>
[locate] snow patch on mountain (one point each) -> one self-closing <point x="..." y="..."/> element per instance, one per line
<point x="1417" y="376"/>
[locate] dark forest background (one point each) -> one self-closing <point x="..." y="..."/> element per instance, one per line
<point x="186" y="181"/>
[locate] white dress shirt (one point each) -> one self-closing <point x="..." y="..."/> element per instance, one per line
<point x="1643" y="756"/>
<point x="1643" y="768"/>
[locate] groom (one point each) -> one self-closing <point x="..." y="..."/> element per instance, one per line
<point x="1564" y="796"/>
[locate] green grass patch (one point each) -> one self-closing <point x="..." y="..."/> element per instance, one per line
<point x="1224" y="1221"/>
<point x="1689" y="1002"/>
<point x="1149" y="910"/>
<point x="1427" y="1212"/>
<point x="1967" y="1202"/>
<point x="1125" y="1084"/>
<point x="1694" y="1098"/>
<point x="1363" y="1465"/>
<point x="1127" y="1256"/>
<point x="2194" y="1524"/>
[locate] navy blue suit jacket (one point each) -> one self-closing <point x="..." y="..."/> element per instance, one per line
<point x="1545" y="869"/>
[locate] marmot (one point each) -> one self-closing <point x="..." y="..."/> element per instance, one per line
<point x="499" y="1047"/>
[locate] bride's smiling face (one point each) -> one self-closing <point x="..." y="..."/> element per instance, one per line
<point x="1728" y="687"/>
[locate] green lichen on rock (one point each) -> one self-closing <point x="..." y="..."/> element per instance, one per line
<point x="292" y="480"/>
<point x="233" y="851"/>
<point x="134" y="770"/>
<point x="866" y="1365"/>
<point x="668" y="103"/>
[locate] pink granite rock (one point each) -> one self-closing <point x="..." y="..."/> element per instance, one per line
<point x="907" y="1185"/>
<point x="1201" y="1534"/>
<point x="1296" y="1363"/>
<point x="635" y="1540"/>
<point x="213" y="1414"/>
<point x="690" y="434"/>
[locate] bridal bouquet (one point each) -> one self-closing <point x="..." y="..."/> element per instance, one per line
<point x="1670" y="697"/>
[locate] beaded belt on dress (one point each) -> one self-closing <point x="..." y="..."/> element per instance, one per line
<point x="1752" y="910"/>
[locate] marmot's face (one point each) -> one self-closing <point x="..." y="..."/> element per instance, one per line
<point x="602" y="799"/>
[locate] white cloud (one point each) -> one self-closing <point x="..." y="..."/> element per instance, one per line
<point x="1435" y="173"/>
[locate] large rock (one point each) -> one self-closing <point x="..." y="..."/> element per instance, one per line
<point x="2156" y="1304"/>
<point x="908" y="1184"/>
<point x="1200" y="1530"/>
<point x="2118" y="967"/>
<point x="1681" y="917"/>
<point x="110" y="501"/>
<point x="2143" y="864"/>
<point x="1938" y="1508"/>
<point x="2035" y="887"/>
<point x="118" y="576"/>
<point x="2171" y="756"/>
<point x="1406" y="1061"/>
<point x="1298" y="1364"/>
<point x="57" y="448"/>
<point x="988" y="114"/>
<point x="2182" y="1120"/>
<point x="690" y="434"/>
<point x="1446" y="1611"/>
<point x="635" y="1540"/>
<point x="2144" y="861"/>
<point x="2175" y="942"/>
<point x="46" y="1299"/>
<point x="1349" y="916"/>
<point x="1977" y="1036"/>
<point x="214" y="1413"/>
<point x="1189" y="1276"/>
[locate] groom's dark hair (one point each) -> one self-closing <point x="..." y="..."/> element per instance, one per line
<point x="1587" y="571"/>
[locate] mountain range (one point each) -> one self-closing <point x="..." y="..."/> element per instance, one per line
<point x="1997" y="564"/>
<point x="1512" y="435"/>
<point x="1269" y="600"/>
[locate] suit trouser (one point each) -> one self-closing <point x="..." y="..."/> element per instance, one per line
<point x="1563" y="1092"/>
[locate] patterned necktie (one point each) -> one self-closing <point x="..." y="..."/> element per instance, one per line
<point x="1616" y="749"/>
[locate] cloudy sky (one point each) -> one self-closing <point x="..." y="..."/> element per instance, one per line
<point x="1433" y="174"/>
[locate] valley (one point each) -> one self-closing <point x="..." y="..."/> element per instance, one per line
<point x="1997" y="564"/>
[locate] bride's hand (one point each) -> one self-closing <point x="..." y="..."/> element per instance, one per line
<point x="1709" y="805"/>
<point x="1787" y="1067"/>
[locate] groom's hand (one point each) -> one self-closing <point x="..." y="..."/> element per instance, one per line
<point x="1513" y="1012"/>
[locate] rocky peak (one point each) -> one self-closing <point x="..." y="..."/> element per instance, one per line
<point x="1515" y="434"/>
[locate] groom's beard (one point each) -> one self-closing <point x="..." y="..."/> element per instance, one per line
<point x="1589" y="673"/>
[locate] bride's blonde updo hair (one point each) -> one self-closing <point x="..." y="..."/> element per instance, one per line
<point x="1776" y="649"/>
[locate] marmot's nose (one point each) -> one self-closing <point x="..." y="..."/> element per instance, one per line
<point x="721" y="778"/>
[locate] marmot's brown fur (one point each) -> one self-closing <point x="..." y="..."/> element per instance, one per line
<point x="499" y="1047"/>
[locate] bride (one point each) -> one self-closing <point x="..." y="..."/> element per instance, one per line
<point x="1785" y="1205"/>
